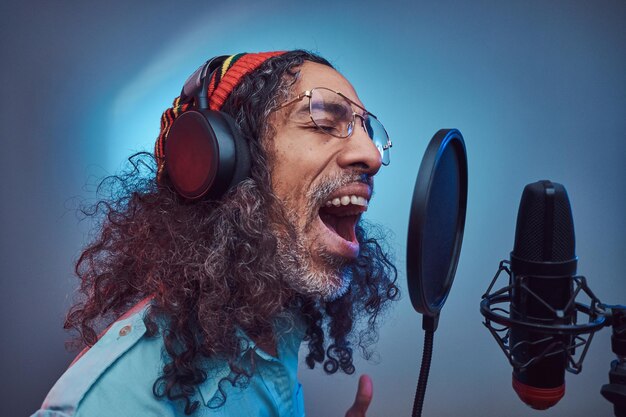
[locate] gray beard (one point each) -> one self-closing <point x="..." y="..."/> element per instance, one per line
<point x="302" y="276"/>
<point x="296" y="261"/>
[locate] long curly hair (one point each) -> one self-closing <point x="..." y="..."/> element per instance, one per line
<point x="214" y="266"/>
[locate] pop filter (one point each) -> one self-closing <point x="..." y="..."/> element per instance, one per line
<point x="436" y="227"/>
<point x="436" y="223"/>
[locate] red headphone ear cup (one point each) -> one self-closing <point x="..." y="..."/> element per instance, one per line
<point x="205" y="154"/>
<point x="192" y="155"/>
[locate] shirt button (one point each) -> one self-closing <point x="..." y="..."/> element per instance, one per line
<point x="125" y="330"/>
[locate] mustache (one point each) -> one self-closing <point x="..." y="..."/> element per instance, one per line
<point x="318" y="195"/>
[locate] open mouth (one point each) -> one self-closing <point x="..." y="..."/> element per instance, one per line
<point x="340" y="215"/>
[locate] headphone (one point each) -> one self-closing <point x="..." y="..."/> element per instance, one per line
<point x="205" y="152"/>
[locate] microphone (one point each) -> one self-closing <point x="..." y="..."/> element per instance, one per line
<point x="535" y="318"/>
<point x="542" y="267"/>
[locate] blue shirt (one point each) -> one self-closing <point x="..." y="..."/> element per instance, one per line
<point x="115" y="378"/>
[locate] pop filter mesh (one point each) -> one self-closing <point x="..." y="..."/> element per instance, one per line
<point x="441" y="227"/>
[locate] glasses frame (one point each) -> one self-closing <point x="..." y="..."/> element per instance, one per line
<point x="309" y="93"/>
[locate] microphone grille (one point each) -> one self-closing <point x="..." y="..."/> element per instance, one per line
<point x="545" y="228"/>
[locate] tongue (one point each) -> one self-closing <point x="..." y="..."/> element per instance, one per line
<point x="341" y="225"/>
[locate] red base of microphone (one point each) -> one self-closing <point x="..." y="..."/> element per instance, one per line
<point x="538" y="398"/>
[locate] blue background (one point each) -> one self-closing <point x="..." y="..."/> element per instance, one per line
<point x="538" y="89"/>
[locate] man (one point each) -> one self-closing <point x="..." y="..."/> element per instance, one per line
<point x="207" y="301"/>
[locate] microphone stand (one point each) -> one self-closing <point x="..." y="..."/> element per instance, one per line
<point x="429" y="324"/>
<point x="615" y="390"/>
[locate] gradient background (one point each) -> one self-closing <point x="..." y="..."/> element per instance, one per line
<point x="538" y="89"/>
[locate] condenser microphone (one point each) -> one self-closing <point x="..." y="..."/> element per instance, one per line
<point x="543" y="264"/>
<point x="535" y="317"/>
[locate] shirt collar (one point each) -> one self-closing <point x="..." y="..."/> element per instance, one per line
<point x="289" y="335"/>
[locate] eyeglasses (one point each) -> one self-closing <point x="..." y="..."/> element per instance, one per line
<point x="332" y="113"/>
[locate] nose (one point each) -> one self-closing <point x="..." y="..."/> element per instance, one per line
<point x="359" y="151"/>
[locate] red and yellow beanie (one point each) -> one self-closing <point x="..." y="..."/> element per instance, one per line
<point x="222" y="83"/>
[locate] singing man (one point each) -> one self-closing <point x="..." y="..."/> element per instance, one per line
<point x="199" y="307"/>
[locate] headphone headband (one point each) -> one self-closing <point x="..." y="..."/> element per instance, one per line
<point x="197" y="85"/>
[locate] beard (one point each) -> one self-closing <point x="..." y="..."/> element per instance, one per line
<point x="309" y="268"/>
<point x="327" y="282"/>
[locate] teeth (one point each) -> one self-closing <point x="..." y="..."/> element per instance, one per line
<point x="347" y="199"/>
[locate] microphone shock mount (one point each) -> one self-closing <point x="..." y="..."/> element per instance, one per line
<point x="560" y="337"/>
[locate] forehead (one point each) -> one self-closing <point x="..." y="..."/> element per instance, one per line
<point x="314" y="75"/>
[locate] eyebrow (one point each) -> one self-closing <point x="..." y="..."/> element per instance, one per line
<point x="335" y="108"/>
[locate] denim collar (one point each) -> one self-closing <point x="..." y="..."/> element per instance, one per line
<point x="289" y="335"/>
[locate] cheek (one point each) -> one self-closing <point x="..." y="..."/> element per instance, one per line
<point x="292" y="173"/>
<point x="299" y="161"/>
<point x="284" y="182"/>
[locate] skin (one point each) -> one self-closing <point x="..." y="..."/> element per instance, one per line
<point x="363" y="398"/>
<point x="304" y="160"/>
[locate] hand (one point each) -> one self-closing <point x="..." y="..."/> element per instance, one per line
<point x="363" y="397"/>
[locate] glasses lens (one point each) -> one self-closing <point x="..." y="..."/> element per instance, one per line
<point x="331" y="112"/>
<point x="379" y="136"/>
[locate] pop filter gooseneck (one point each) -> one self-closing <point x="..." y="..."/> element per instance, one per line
<point x="436" y="225"/>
